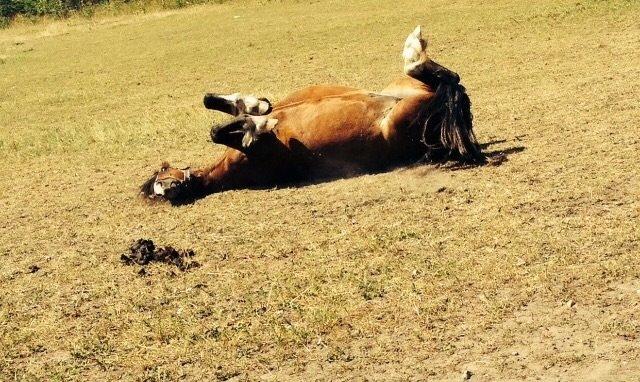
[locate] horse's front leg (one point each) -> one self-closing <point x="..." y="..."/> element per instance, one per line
<point x="243" y="132"/>
<point x="237" y="104"/>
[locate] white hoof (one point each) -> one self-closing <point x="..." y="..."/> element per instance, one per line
<point x="253" y="105"/>
<point x="261" y="125"/>
<point x="414" y="52"/>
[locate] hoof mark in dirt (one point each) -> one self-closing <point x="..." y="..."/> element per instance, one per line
<point x="143" y="252"/>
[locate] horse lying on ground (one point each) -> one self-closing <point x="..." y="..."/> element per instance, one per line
<point x="333" y="131"/>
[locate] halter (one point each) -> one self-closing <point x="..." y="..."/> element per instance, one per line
<point x="187" y="173"/>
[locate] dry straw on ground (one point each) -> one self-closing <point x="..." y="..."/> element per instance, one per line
<point x="416" y="274"/>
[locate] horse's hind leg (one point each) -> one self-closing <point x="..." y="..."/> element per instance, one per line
<point x="237" y="104"/>
<point x="418" y="64"/>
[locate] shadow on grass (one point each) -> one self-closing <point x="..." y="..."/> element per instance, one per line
<point x="494" y="158"/>
<point x="497" y="157"/>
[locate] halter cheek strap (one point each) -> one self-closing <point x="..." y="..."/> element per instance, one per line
<point x="187" y="173"/>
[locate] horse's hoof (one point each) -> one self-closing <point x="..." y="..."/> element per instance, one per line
<point x="237" y="104"/>
<point x="259" y="126"/>
<point x="231" y="133"/>
<point x="242" y="132"/>
<point x="214" y="101"/>
<point x="264" y="106"/>
<point x="414" y="52"/>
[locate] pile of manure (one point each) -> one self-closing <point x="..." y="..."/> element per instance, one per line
<point x="144" y="252"/>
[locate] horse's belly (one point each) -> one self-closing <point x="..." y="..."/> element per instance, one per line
<point x="341" y="132"/>
<point x="313" y="94"/>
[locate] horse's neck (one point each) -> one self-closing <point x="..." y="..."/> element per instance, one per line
<point x="210" y="179"/>
<point x="217" y="177"/>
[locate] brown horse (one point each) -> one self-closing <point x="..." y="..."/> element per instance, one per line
<point x="333" y="131"/>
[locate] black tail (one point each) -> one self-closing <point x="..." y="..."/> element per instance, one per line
<point x="448" y="123"/>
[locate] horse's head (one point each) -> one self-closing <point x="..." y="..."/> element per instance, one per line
<point x="167" y="184"/>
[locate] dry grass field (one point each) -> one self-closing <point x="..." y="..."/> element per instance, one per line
<point x="525" y="271"/>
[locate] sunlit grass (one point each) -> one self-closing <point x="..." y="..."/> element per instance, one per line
<point x="417" y="272"/>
